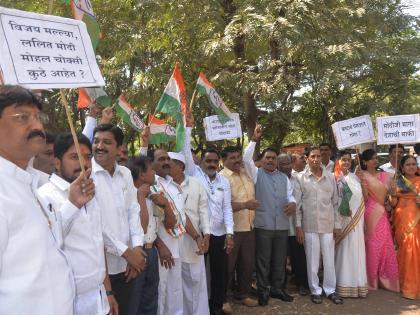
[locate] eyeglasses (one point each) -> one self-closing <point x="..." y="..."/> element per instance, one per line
<point x="25" y="118"/>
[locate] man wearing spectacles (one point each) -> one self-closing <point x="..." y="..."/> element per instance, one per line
<point x="34" y="275"/>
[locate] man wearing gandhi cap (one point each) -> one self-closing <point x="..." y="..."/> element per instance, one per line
<point x="169" y="239"/>
<point x="194" y="286"/>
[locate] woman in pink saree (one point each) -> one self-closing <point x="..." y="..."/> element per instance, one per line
<point x="381" y="259"/>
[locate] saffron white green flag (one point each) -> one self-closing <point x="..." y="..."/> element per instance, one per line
<point x="173" y="102"/>
<point x="160" y="131"/>
<point x="83" y="10"/>
<point x="128" y="114"/>
<point x="204" y="87"/>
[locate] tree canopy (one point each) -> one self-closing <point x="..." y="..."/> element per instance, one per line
<point x="294" y="66"/>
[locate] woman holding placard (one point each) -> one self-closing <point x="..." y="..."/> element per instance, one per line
<point x="350" y="256"/>
<point x="407" y="227"/>
<point x="381" y="260"/>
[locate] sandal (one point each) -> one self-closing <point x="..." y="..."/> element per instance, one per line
<point x="335" y="298"/>
<point x="315" y="298"/>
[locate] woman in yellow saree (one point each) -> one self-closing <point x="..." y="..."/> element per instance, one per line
<point x="381" y="259"/>
<point x="407" y="227"/>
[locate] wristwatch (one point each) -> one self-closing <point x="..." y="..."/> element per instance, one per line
<point x="108" y="293"/>
<point x="229" y="236"/>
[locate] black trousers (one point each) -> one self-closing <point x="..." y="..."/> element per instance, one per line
<point x="271" y="256"/>
<point x="218" y="271"/>
<point x="122" y="291"/>
<point x="144" y="296"/>
<point x="298" y="261"/>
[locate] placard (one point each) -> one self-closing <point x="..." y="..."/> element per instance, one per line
<point x="398" y="129"/>
<point x="353" y="131"/>
<point x="216" y="131"/>
<point x="43" y="51"/>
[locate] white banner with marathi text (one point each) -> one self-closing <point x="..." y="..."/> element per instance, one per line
<point x="353" y="131"/>
<point x="215" y="130"/>
<point x="398" y="129"/>
<point x="43" y="51"/>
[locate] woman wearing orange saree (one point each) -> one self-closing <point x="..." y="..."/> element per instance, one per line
<point x="407" y="227"/>
<point x="381" y="259"/>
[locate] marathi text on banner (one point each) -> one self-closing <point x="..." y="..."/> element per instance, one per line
<point x="43" y="51"/>
<point x="353" y="131"/>
<point x="215" y="130"/>
<point x="398" y="129"/>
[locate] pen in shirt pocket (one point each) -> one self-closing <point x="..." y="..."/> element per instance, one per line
<point x="52" y="211"/>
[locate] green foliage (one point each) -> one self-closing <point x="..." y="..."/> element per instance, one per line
<point x="294" y="66"/>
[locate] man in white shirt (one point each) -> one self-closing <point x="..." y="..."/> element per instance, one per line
<point x="81" y="227"/>
<point x="220" y="216"/>
<point x="35" y="277"/>
<point x="318" y="223"/>
<point x="169" y="235"/>
<point x="325" y="149"/>
<point x="193" y="246"/>
<point x="117" y="199"/>
<point x="396" y="152"/>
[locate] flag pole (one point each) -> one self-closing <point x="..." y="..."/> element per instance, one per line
<point x="193" y="98"/>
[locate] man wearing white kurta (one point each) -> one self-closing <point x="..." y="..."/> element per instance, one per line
<point x="168" y="241"/>
<point x="120" y="210"/>
<point x="220" y="217"/>
<point x="81" y="232"/>
<point x="193" y="268"/>
<point x="35" y="277"/>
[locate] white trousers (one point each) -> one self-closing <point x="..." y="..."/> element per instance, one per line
<point x="194" y="285"/>
<point x="315" y="244"/>
<point x="170" y="290"/>
<point x="92" y="303"/>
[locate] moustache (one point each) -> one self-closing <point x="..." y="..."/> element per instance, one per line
<point x="36" y="133"/>
<point x="101" y="151"/>
<point x="166" y="166"/>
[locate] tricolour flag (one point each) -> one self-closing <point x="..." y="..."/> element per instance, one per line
<point x="128" y="114"/>
<point x="204" y="87"/>
<point x="90" y="95"/>
<point x="160" y="131"/>
<point x="83" y="10"/>
<point x="173" y="102"/>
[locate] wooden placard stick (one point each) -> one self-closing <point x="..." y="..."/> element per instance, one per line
<point x="68" y="114"/>
<point x="358" y="158"/>
<point x="396" y="161"/>
<point x="73" y="132"/>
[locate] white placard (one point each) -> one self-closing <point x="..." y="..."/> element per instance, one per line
<point x="353" y="131"/>
<point x="216" y="131"/>
<point x="398" y="129"/>
<point x="43" y="51"/>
